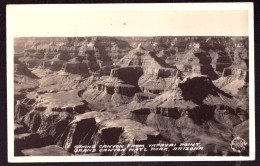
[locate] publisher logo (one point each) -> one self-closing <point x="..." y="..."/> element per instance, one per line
<point x="238" y="144"/>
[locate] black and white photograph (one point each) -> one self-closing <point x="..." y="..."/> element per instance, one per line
<point x="165" y="93"/>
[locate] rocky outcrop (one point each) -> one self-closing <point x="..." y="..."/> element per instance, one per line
<point x="200" y="104"/>
<point x="114" y="48"/>
<point x="24" y="80"/>
<point x="77" y="133"/>
<point x="102" y="52"/>
<point x="110" y="94"/>
<point x="158" y="80"/>
<point x="118" y="99"/>
<point x="25" y="83"/>
<point x="53" y="124"/>
<point x="137" y="109"/>
<point x="81" y="130"/>
<point x="126" y="132"/>
<point x="128" y="75"/>
<point x="208" y="106"/>
<point x="98" y="98"/>
<point x="119" y="87"/>
<point x="20" y="111"/>
<point x="61" y="81"/>
<point x="154" y="80"/>
<point x="196" y="61"/>
<point x="33" y="120"/>
<point x="46" y="125"/>
<point x="240" y="58"/>
<point x="227" y="116"/>
<point x="233" y="81"/>
<point x="142" y="58"/>
<point x="67" y="101"/>
<point x="220" y="61"/>
<point x="95" y="128"/>
<point x="75" y="68"/>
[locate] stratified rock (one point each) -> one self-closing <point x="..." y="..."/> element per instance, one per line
<point x="125" y="132"/>
<point x="53" y="123"/>
<point x="76" y="131"/>
<point x="143" y="58"/>
<point x="118" y="99"/>
<point x="232" y="80"/>
<point x="196" y="61"/>
<point x="137" y="109"/>
<point x="119" y="87"/>
<point x="227" y="116"/>
<point x="75" y="68"/>
<point x="56" y="83"/>
<point x="48" y="124"/>
<point x="240" y="59"/>
<point x="20" y="111"/>
<point x="220" y="61"/>
<point x="29" y="101"/>
<point x="101" y="128"/>
<point x="98" y="98"/>
<point x="157" y="80"/>
<point x="114" y="48"/>
<point x="32" y="120"/>
<point x="68" y="101"/>
<point x="25" y="82"/>
<point x="196" y="97"/>
<point x="127" y="75"/>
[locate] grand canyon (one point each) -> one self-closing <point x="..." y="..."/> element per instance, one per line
<point x="71" y="91"/>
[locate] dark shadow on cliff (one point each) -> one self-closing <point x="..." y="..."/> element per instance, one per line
<point x="206" y="68"/>
<point x="197" y="89"/>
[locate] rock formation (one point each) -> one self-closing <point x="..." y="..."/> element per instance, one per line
<point x="130" y="92"/>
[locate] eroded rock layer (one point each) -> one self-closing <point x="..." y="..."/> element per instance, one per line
<point x="130" y="92"/>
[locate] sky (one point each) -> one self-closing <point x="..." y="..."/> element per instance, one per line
<point x="125" y="20"/>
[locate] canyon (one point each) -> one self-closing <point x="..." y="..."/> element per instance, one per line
<point x="95" y="91"/>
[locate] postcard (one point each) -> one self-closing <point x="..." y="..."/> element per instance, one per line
<point x="130" y="82"/>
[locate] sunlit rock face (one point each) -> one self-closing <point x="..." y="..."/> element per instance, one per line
<point x="123" y="91"/>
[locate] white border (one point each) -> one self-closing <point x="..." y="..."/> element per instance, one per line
<point x="13" y="10"/>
